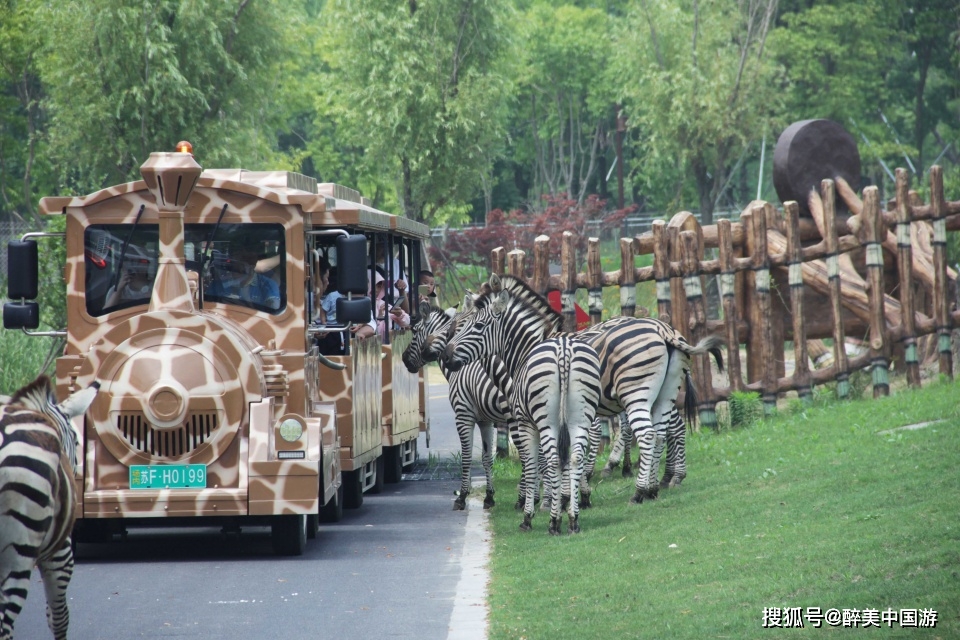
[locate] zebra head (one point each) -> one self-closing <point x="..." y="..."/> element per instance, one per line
<point x="39" y="396"/>
<point x="472" y="333"/>
<point x="429" y="336"/>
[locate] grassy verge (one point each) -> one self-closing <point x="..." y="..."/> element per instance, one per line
<point x="810" y="509"/>
<point x="21" y="357"/>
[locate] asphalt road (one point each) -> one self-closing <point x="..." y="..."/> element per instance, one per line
<point x="391" y="569"/>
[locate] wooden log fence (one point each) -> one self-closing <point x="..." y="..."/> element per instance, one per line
<point x="880" y="275"/>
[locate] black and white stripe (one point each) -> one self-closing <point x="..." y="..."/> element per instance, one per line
<point x="554" y="390"/>
<point x="38" y="458"/>
<point x="474" y="396"/>
<point x="643" y="363"/>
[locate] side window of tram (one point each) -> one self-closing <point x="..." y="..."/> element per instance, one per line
<point x="244" y="264"/>
<point x="120" y="265"/>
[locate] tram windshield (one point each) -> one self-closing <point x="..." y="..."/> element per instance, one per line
<point x="244" y="264"/>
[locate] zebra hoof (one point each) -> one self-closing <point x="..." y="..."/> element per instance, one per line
<point x="675" y="481"/>
<point x="585" y="501"/>
<point x="627" y="471"/>
<point x="606" y="473"/>
<point x="459" y="505"/>
<point x="638" y="497"/>
<point x="667" y="481"/>
<point x="575" y="526"/>
<point x="525" y="525"/>
<point x="554" y="526"/>
<point x="488" y="502"/>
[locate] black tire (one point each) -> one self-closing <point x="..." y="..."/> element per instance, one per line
<point x="89" y="530"/>
<point x="289" y="535"/>
<point x="352" y="489"/>
<point x="377" y="487"/>
<point x="333" y="510"/>
<point x="392" y="465"/>
<point x="313" y="526"/>
<point x="407" y="468"/>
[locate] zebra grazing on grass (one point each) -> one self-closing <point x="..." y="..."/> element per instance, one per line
<point x="474" y="397"/>
<point x="553" y="386"/>
<point x="643" y="362"/>
<point x="38" y="461"/>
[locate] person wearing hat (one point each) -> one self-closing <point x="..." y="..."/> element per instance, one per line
<point x="396" y="313"/>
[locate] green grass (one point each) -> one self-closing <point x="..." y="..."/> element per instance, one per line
<point x="808" y="509"/>
<point x="21" y="357"/>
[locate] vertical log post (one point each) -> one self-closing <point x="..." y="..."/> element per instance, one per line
<point x="728" y="297"/>
<point x="840" y="362"/>
<point x="801" y="370"/>
<point x="628" y="278"/>
<point x="515" y="263"/>
<point x="568" y="280"/>
<point x="761" y="317"/>
<point x="678" y="301"/>
<point x="941" y="304"/>
<point x="661" y="268"/>
<point x="498" y="258"/>
<point x="697" y="325"/>
<point x="541" y="265"/>
<point x="905" y="267"/>
<point x="874" y="231"/>
<point x="754" y="337"/>
<point x="594" y="281"/>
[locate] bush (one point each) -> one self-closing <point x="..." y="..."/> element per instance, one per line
<point x="746" y="408"/>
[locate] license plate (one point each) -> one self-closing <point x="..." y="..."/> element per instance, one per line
<point x="168" y="476"/>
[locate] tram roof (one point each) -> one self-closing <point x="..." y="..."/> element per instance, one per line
<point x="326" y="204"/>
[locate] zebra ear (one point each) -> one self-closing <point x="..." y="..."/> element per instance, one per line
<point x="79" y="401"/>
<point x="468" y="301"/>
<point x="451" y="312"/>
<point x="495" y="284"/>
<point x="500" y="302"/>
<point x="424" y="310"/>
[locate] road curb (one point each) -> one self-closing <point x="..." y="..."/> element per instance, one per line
<point x="470" y="608"/>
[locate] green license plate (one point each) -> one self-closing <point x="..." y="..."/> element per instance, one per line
<point x="168" y="476"/>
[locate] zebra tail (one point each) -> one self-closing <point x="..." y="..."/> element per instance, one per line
<point x="690" y="401"/>
<point x="563" y="437"/>
<point x="711" y="344"/>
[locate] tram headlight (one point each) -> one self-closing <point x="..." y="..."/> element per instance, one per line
<point x="291" y="430"/>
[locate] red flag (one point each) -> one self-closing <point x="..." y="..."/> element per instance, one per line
<point x="583" y="319"/>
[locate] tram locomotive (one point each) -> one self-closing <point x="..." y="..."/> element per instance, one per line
<point x="190" y="299"/>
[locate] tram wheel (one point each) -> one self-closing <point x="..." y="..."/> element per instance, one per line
<point x="352" y="489"/>
<point x="333" y="510"/>
<point x="313" y="525"/>
<point x="378" y="481"/>
<point x="289" y="535"/>
<point x="393" y="464"/>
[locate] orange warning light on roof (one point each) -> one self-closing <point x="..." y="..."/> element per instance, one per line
<point x="184" y="147"/>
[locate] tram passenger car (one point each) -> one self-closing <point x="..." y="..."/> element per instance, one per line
<point x="190" y="299"/>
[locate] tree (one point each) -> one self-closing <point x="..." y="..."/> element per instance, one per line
<point x="21" y="94"/>
<point x="699" y="91"/>
<point x="419" y="90"/>
<point x="565" y="103"/>
<point x="127" y="77"/>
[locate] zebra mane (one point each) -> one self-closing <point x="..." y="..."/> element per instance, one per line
<point x="521" y="291"/>
<point x="35" y="396"/>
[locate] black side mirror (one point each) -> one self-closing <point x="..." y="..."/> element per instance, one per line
<point x="352" y="271"/>
<point x="357" y="310"/>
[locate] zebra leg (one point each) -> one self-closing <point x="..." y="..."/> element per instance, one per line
<point x="528" y="446"/>
<point x="616" y="452"/>
<point x="56" y="572"/>
<point x="626" y="435"/>
<point x="13" y="590"/>
<point x="465" y="431"/>
<point x="645" y="435"/>
<point x="594" y="436"/>
<point x="658" y="443"/>
<point x="488" y="436"/>
<point x="555" y="474"/>
<point x="577" y="455"/>
<point x="676" y="467"/>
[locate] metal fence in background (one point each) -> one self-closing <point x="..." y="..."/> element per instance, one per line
<point x="633" y="225"/>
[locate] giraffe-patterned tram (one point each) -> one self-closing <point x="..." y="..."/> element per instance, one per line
<point x="190" y="296"/>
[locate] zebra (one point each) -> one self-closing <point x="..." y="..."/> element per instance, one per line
<point x="643" y="363"/>
<point x="474" y="396"/>
<point x="553" y="385"/>
<point x="38" y="461"/>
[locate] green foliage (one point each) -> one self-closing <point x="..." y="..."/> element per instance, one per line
<point x="746" y="408"/>
<point x="22" y="359"/>
<point x="421" y="92"/>
<point x="812" y="509"/>
<point x="126" y="77"/>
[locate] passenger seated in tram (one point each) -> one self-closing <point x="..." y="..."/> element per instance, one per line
<point x="243" y="282"/>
